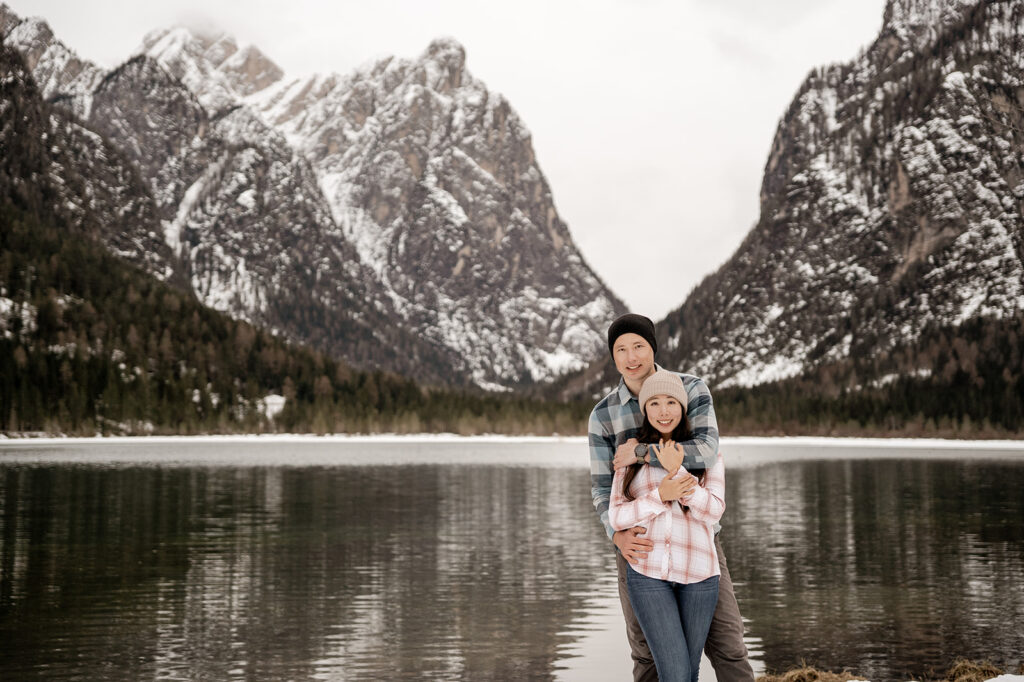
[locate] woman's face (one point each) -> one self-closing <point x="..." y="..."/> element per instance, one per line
<point x="664" y="413"/>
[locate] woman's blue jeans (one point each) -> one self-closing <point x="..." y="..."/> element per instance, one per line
<point x="675" y="619"/>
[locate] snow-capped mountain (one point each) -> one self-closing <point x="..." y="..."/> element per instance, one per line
<point x="433" y="179"/>
<point x="55" y="68"/>
<point x="109" y="201"/>
<point x="240" y="219"/>
<point x="396" y="217"/>
<point x="891" y="202"/>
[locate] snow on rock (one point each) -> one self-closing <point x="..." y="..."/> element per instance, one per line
<point x="23" y="313"/>
<point x="434" y="181"/>
<point x="404" y="197"/>
<point x="891" y="202"/>
<point x="56" y="69"/>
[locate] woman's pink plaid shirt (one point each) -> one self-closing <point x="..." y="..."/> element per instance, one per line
<point x="684" y="540"/>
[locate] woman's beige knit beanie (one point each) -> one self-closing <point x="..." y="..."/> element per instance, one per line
<point x="663" y="382"/>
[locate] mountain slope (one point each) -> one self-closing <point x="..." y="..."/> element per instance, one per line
<point x="396" y="217"/>
<point x="434" y="179"/>
<point x="242" y="221"/>
<point x="891" y="205"/>
<point x="245" y="215"/>
<point x="90" y="343"/>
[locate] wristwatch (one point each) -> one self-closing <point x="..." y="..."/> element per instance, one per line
<point x="641" y="452"/>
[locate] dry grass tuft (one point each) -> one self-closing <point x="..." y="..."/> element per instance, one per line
<point x="809" y="674"/>
<point x="972" y="671"/>
<point x="962" y="670"/>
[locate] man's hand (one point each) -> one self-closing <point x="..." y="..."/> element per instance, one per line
<point x="632" y="547"/>
<point x="676" y="488"/>
<point x="625" y="455"/>
<point x="671" y="456"/>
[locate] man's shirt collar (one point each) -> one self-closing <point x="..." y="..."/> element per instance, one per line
<point x="624" y="395"/>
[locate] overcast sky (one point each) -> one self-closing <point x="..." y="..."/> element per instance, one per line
<point x="652" y="119"/>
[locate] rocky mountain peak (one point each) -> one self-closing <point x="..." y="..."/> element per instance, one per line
<point x="434" y="179"/>
<point x="211" y="65"/>
<point x="171" y="41"/>
<point x="57" y="70"/>
<point x="8" y="19"/>
<point x="890" y="205"/>
<point x="33" y="36"/>
<point x="221" y="48"/>
<point x="248" y="70"/>
<point x="918" y="22"/>
<point x="445" y="60"/>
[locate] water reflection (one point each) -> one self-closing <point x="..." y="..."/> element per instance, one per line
<point x="420" y="572"/>
<point x="890" y="568"/>
<point x="175" y="565"/>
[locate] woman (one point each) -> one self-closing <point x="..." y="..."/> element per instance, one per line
<point x="674" y="590"/>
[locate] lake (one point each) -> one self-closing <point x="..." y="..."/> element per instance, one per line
<point x="474" y="559"/>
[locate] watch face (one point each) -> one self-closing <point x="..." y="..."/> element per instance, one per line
<point x="641" y="450"/>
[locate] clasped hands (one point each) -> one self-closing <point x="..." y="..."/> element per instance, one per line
<point x="670" y="455"/>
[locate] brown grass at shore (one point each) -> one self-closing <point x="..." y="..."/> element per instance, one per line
<point x="809" y="674"/>
<point x="962" y="670"/>
<point x="972" y="671"/>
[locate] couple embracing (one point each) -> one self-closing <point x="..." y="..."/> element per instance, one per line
<point x="658" y="483"/>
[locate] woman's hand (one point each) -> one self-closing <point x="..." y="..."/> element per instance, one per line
<point x="676" y="488"/>
<point x="671" y="456"/>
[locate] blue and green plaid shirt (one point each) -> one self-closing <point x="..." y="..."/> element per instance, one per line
<point x="617" y="418"/>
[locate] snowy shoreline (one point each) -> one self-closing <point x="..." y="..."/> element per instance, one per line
<point x="811" y="441"/>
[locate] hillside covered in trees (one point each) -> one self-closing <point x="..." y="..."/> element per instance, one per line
<point x="93" y="345"/>
<point x="976" y="390"/>
<point x="90" y="343"/>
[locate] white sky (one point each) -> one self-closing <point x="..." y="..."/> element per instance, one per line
<point x="652" y="119"/>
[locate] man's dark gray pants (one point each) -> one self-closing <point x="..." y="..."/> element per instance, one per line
<point x="724" y="646"/>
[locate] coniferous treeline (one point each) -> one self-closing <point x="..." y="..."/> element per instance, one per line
<point x="965" y="381"/>
<point x="93" y="345"/>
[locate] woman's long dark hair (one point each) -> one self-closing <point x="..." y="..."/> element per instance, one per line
<point x="649" y="434"/>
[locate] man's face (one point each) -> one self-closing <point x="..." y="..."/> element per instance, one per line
<point x="634" y="357"/>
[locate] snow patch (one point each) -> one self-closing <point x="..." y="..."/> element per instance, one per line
<point x="24" y="312"/>
<point x="247" y="199"/>
<point x="779" y="368"/>
<point x="271" y="405"/>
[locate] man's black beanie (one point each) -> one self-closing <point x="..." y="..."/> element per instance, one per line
<point x="631" y="323"/>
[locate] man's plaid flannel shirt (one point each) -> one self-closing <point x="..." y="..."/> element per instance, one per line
<point x="617" y="418"/>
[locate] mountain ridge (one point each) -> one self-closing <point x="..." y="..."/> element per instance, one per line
<point x="93" y="344"/>
<point x="881" y="291"/>
<point x="890" y="201"/>
<point x="462" y="242"/>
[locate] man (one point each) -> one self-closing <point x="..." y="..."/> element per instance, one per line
<point x="614" y="424"/>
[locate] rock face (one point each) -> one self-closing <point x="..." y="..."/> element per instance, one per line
<point x="88" y="181"/>
<point x="55" y="69"/>
<point x="246" y="218"/>
<point x="396" y="217"/>
<point x="434" y="180"/>
<point x="891" y="202"/>
<point x="232" y="213"/>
